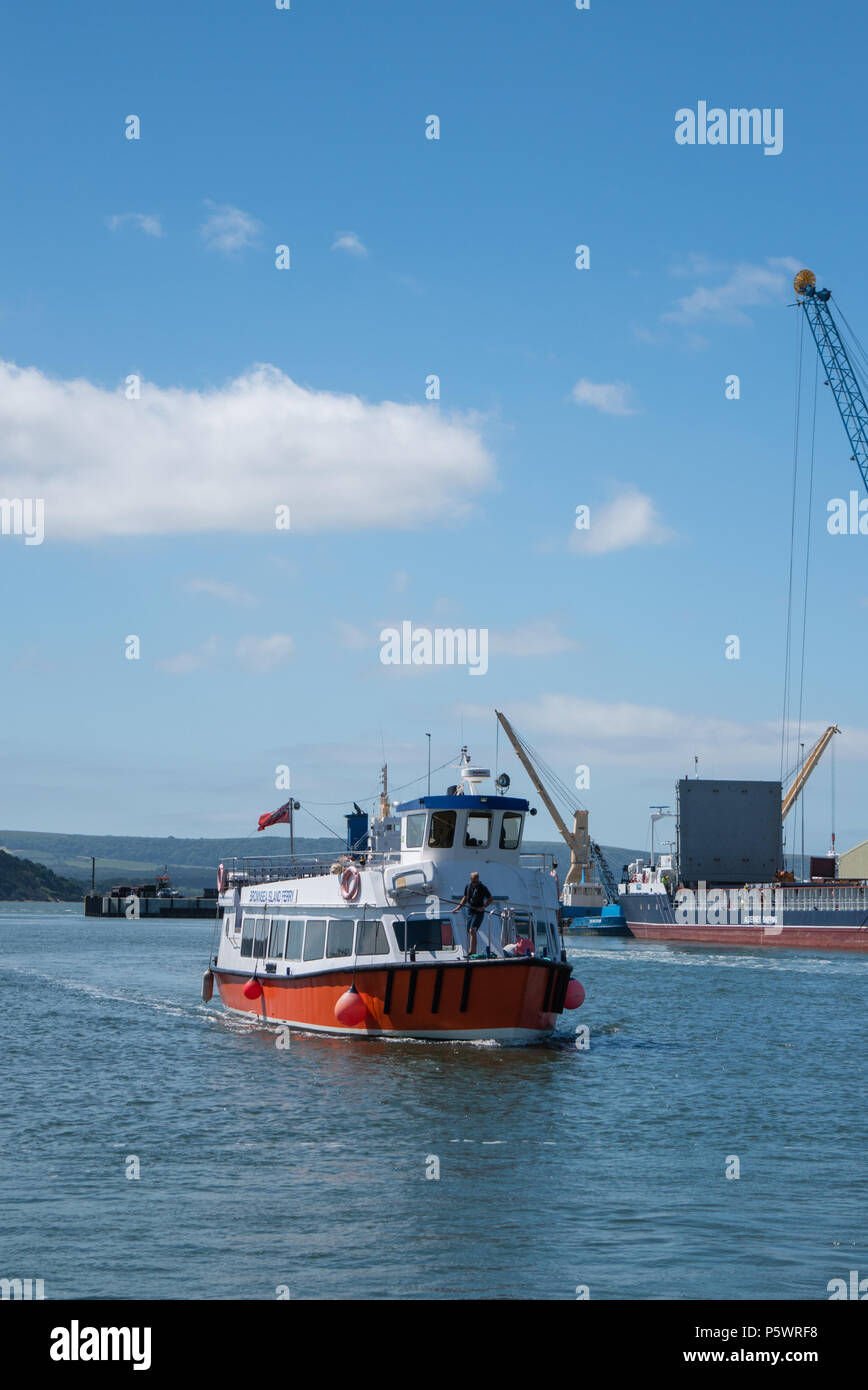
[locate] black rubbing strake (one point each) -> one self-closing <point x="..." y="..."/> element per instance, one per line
<point x="438" y="985"/>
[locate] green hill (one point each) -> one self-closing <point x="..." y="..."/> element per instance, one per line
<point x="23" y="881"/>
<point x="191" y="863"/>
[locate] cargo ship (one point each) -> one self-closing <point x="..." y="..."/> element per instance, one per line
<point x="382" y="941"/>
<point x="726" y="885"/>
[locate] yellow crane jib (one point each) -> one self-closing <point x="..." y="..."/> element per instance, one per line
<point x="807" y="768"/>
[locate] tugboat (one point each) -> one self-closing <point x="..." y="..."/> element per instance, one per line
<point x="378" y="943"/>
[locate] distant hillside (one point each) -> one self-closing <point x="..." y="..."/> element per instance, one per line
<point x="192" y="864"/>
<point x="23" y="881"/>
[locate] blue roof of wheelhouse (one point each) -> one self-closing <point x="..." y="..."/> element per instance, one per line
<point x="463" y="803"/>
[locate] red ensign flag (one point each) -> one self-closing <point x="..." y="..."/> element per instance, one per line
<point x="279" y="817"/>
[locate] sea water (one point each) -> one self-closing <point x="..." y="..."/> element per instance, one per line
<point x="707" y="1142"/>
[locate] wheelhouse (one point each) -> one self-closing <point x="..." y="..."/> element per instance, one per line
<point x="462" y="826"/>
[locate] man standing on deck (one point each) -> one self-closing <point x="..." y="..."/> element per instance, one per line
<point x="477" y="898"/>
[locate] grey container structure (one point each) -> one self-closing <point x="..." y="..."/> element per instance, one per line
<point x="729" y="832"/>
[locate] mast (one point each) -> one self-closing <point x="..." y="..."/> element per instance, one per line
<point x="385" y="808"/>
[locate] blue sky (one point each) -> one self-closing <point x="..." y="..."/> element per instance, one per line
<point x="306" y="386"/>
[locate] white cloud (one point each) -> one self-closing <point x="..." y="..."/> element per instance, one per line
<point x="182" y="461"/>
<point x="612" y="398"/>
<point x="348" y="241"/>
<point x="629" y="519"/>
<point x="264" y="653"/>
<point x="228" y="229"/>
<point x="147" y="222"/>
<point x="653" y="735"/>
<point x="185" y="662"/>
<point x="355" y="639"/>
<point x="695" y="263"/>
<point x="745" y="286"/>
<point x="214" y="588"/>
<point x="542" y="638"/>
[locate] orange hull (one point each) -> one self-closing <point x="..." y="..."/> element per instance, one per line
<point x="509" y="1000"/>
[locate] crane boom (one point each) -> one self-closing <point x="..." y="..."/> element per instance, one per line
<point x="569" y="838"/>
<point x="839" y="369"/>
<point x="807" y="768"/>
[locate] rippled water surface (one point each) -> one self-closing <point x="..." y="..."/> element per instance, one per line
<point x="306" y="1168"/>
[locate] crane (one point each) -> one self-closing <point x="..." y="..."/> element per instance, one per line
<point x="839" y="369"/>
<point x="807" y="768"/>
<point x="570" y="839"/>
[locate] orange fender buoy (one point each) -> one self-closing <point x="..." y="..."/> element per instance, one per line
<point x="350" y="1008"/>
<point x="575" y="995"/>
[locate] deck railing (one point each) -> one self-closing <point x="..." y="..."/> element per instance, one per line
<point x="270" y="868"/>
<point x="844" y="897"/>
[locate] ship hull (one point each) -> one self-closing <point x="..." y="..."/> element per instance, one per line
<point x="582" y="922"/>
<point x="650" y="917"/>
<point x="509" y="1001"/>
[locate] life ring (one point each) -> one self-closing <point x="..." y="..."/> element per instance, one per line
<point x="351" y="882"/>
<point x="221" y="879"/>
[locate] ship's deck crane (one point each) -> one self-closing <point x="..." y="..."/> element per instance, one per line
<point x="839" y="370"/>
<point x="571" y="841"/>
<point x="807" y="768"/>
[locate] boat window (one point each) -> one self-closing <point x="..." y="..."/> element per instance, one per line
<point x="247" y="937"/>
<point x="260" y="937"/>
<point x="293" y="940"/>
<point x="414" y="830"/>
<point x="522" y="925"/>
<point x="314" y="939"/>
<point x="372" y="940"/>
<point x="510" y="831"/>
<point x="442" y="832"/>
<point x="278" y="932"/>
<point x="340" y="939"/>
<point x="478" y="830"/>
<point x="420" y="934"/>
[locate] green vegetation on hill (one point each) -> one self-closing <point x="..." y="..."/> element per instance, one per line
<point x="192" y="863"/>
<point x="23" y="881"/>
<point x="123" y="859"/>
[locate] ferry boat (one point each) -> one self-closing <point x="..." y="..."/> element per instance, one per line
<point x="368" y="944"/>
